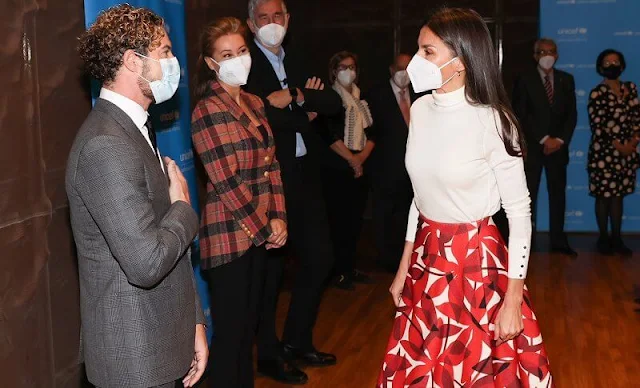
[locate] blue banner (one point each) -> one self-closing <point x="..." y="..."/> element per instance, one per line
<point x="171" y="119"/>
<point x="582" y="29"/>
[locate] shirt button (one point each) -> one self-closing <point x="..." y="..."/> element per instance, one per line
<point x="267" y="159"/>
<point x="266" y="174"/>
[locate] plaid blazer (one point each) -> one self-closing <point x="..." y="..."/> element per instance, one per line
<point x="244" y="189"/>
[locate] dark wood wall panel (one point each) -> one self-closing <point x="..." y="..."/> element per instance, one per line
<point x="376" y="30"/>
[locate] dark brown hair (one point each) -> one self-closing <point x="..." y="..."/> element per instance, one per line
<point x="335" y="61"/>
<point x="115" y="31"/>
<point x="467" y="36"/>
<point x="211" y="33"/>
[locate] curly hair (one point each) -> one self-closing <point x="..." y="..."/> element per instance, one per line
<point x="115" y="31"/>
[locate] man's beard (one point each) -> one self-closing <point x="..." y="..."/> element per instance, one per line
<point x="144" y="85"/>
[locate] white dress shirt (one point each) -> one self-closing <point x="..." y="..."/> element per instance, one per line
<point x="132" y="109"/>
<point x="461" y="172"/>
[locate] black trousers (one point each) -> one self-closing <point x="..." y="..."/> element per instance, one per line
<point x="235" y="290"/>
<point x="555" y="166"/>
<point x="391" y="202"/>
<point x="310" y="243"/>
<point x="346" y="199"/>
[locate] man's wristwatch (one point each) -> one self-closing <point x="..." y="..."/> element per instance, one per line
<point x="294" y="93"/>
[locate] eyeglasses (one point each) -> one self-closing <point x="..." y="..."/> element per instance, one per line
<point x="346" y="67"/>
<point x="612" y="63"/>
<point x="547" y="52"/>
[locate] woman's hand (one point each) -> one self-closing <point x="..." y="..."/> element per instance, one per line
<point x="279" y="234"/>
<point x="397" y="286"/>
<point x="356" y="164"/>
<point x="627" y="148"/>
<point x="509" y="323"/>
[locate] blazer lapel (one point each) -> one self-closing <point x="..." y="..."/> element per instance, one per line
<point x="538" y="87"/>
<point x="558" y="82"/>
<point x="393" y="100"/>
<point x="127" y="124"/>
<point x="268" y="74"/>
<point x="236" y="111"/>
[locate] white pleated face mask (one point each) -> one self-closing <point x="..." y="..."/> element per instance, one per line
<point x="346" y="77"/>
<point x="271" y="35"/>
<point x="426" y="75"/>
<point x="164" y="88"/>
<point x="234" y="71"/>
<point x="401" y="78"/>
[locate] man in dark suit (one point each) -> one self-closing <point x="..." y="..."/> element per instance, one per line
<point x="544" y="101"/>
<point x="292" y="100"/>
<point x="131" y="216"/>
<point x="390" y="105"/>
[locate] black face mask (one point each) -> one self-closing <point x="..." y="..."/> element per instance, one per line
<point x="612" y="72"/>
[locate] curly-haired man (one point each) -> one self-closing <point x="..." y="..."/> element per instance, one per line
<point x="139" y="307"/>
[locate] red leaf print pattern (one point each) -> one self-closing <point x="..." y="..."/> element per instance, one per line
<point x="460" y="267"/>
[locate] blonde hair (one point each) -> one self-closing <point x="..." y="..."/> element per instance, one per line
<point x="211" y="33"/>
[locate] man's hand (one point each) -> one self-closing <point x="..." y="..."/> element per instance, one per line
<point x="279" y="234"/>
<point x="280" y="99"/>
<point x="314" y="83"/>
<point x="200" y="357"/>
<point x="178" y="188"/>
<point x="551" y="145"/>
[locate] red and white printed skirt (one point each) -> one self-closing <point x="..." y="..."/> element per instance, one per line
<point x="443" y="331"/>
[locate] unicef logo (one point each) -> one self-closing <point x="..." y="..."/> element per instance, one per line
<point x="577" y="155"/>
<point x="573" y="31"/>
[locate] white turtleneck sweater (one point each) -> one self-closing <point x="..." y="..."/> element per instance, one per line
<point x="461" y="171"/>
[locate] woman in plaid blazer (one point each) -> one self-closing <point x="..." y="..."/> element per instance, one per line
<point x="244" y="212"/>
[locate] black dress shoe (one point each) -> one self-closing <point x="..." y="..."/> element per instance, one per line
<point x="361" y="277"/>
<point x="282" y="371"/>
<point x="604" y="246"/>
<point x="565" y="250"/>
<point x="618" y="246"/>
<point x="309" y="357"/>
<point x="344" y="282"/>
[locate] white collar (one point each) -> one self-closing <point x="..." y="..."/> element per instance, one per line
<point x="137" y="114"/>
<point x="396" y="88"/>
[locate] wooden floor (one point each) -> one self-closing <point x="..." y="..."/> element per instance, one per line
<point x="585" y="308"/>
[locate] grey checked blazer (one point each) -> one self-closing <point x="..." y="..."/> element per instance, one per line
<point x="139" y="305"/>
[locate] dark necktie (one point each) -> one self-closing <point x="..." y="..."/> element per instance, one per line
<point x="152" y="135"/>
<point x="548" y="88"/>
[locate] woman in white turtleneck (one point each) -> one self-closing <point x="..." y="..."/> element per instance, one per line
<point x="464" y="314"/>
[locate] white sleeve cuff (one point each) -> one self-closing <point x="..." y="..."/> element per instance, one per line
<point x="519" y="251"/>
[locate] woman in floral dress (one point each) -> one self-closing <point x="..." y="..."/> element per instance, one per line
<point x="614" y="115"/>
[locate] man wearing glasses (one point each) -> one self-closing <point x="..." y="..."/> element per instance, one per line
<point x="545" y="103"/>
